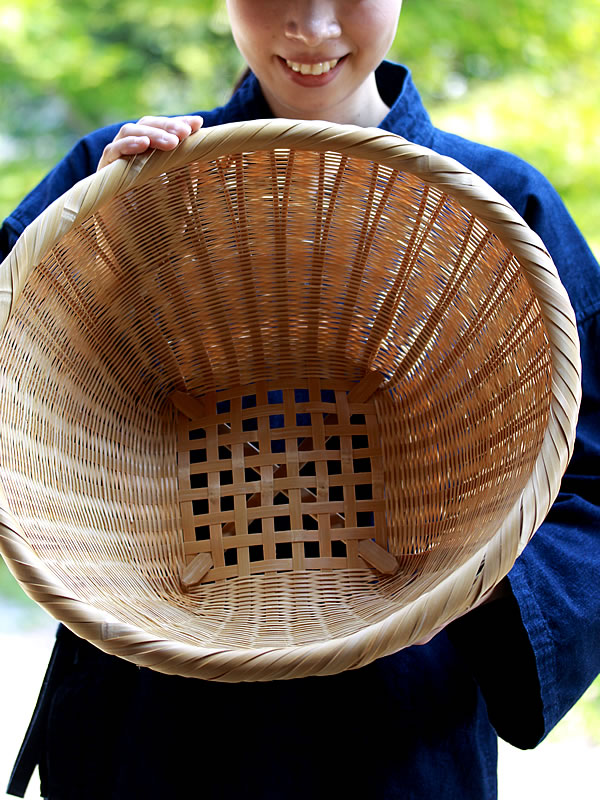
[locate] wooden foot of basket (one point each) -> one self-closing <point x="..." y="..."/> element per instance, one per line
<point x="192" y="573"/>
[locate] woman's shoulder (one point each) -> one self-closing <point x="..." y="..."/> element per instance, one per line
<point x="509" y="174"/>
<point x="540" y="205"/>
<point x="81" y="161"/>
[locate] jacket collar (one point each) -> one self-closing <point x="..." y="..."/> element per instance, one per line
<point x="407" y="115"/>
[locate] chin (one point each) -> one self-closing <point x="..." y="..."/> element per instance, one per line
<point x="311" y="109"/>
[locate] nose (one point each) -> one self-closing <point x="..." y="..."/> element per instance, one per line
<point x="312" y="22"/>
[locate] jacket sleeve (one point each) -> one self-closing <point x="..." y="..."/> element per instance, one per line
<point x="530" y="681"/>
<point x="81" y="161"/>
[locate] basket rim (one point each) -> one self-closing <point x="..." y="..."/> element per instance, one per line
<point x="450" y="597"/>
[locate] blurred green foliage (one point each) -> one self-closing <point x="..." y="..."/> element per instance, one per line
<point x="67" y="68"/>
<point x="521" y="75"/>
<point x="559" y="134"/>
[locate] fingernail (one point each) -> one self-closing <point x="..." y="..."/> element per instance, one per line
<point x="176" y="130"/>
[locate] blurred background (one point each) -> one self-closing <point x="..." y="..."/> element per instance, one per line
<point x="522" y="75"/>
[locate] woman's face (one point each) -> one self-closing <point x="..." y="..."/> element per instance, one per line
<point x="315" y="59"/>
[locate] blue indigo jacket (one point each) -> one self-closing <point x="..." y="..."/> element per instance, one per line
<point x="419" y="724"/>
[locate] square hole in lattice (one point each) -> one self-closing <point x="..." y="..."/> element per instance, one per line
<point x="283" y="550"/>
<point x="311" y="550"/>
<point x="223" y="407"/>
<point x="308" y="469"/>
<point x="226" y="478"/>
<point x="281" y="523"/>
<point x="231" y="558"/>
<point x="197" y="433"/>
<point x="338" y="549"/>
<point x="363" y="491"/>
<point x="360" y="441"/>
<point x="249" y="401"/>
<point x="251" y="474"/>
<point x="327" y="396"/>
<point x="224" y="453"/>
<point x="250" y="424"/>
<point x="364" y="519"/>
<point x="256" y="552"/>
<point x="199" y="507"/>
<point x="227" y="502"/>
<point x="197" y="456"/>
<point x="199" y="480"/>
<point x="255" y="526"/>
<point x="334" y="467"/>
<point x="361" y="464"/>
<point x="336" y="494"/>
<point x="309" y="523"/>
<point x="333" y="443"/>
<point x="202" y="532"/>
<point x="275" y="421"/>
<point x="303" y="420"/>
<point x="357" y="419"/>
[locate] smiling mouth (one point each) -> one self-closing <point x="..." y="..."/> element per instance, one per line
<point x="319" y="68"/>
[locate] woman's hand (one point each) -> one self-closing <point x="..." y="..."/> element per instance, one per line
<point x="158" y="133"/>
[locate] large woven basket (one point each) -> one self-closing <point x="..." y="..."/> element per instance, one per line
<point x="279" y="402"/>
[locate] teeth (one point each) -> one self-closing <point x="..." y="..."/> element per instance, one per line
<point x="312" y="69"/>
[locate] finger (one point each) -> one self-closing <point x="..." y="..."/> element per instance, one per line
<point x="133" y="139"/>
<point x="164" y="133"/>
<point x="159" y="133"/>
<point x="181" y="127"/>
<point x="159" y="137"/>
<point x="123" y="147"/>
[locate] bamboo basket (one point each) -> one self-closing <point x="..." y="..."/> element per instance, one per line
<point x="279" y="402"/>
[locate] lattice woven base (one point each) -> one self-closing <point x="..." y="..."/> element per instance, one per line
<point x="296" y="496"/>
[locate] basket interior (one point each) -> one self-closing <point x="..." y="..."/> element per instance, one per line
<point x="265" y="286"/>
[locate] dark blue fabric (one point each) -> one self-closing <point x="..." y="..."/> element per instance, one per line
<point x="419" y="724"/>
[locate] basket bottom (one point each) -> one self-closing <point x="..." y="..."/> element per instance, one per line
<point x="270" y="610"/>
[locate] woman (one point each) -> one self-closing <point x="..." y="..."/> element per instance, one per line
<point x="424" y="722"/>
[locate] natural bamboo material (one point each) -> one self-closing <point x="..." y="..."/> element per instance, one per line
<point x="195" y="479"/>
